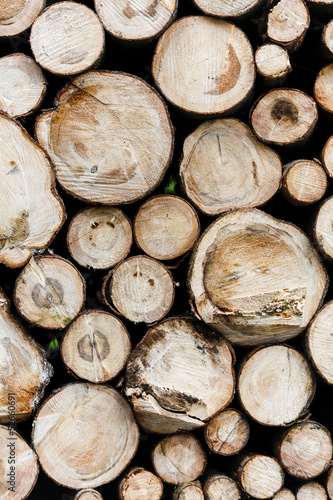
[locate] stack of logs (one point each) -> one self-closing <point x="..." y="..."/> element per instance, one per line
<point x="169" y="231"/>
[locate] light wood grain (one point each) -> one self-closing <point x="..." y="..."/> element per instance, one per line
<point x="18" y="15"/>
<point x="304" y="182"/>
<point x="260" y="476"/>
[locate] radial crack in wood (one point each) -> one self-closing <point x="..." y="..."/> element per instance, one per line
<point x="227" y="432"/>
<point x="18" y="15"/>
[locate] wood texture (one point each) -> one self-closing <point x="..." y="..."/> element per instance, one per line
<point x="323" y="88"/>
<point x="329" y="483"/>
<point x="320" y="342"/>
<point x="323" y="228"/>
<point x="18" y="15"/>
<point x="109" y="137"/>
<point x="272" y="63"/>
<point x="88" y="494"/>
<point x="260" y="476"/>
<point x="327" y="157"/>
<point x="229" y="9"/>
<point x="227" y="432"/>
<point x="140" y="484"/>
<point x="284" y="494"/>
<point x="327" y="40"/>
<point x="311" y="491"/>
<point x="304" y="182"/>
<point x="188" y="491"/>
<point x="220" y="487"/>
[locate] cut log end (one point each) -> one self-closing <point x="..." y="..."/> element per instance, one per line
<point x="141" y="484"/>
<point x="18" y="15"/>
<point x="320" y="342"/>
<point x="304" y="182"/>
<point x="228" y="432"/>
<point x="220" y="487"/>
<point x="273" y="63"/>
<point x="261" y="476"/>
<point x="323" y="88"/>
<point x="188" y="491"/>
<point x="284" y="494"/>
<point x="311" y="491"/>
<point x="323" y="228"/>
<point x="329" y="483"/>
<point x="88" y="494"/>
<point x="228" y="9"/>
<point x="327" y="157"/>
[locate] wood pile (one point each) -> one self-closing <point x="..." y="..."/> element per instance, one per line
<point x="166" y="249"/>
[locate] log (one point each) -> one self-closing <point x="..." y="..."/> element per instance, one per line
<point x="311" y="491"/>
<point x="140" y="288"/>
<point x="22" y="85"/>
<point x="228" y="432"/>
<point x="327" y="157"/>
<point x="167" y="395"/>
<point x="216" y="80"/>
<point x="166" y="227"/>
<point x="224" y="167"/>
<point x="329" y="483"/>
<point x="305" y="450"/>
<point x="327" y="40"/>
<point x="18" y="466"/>
<point x="96" y="346"/>
<point x="31" y="210"/>
<point x="88" y="494"/>
<point x="304" y="182"/>
<point x="179" y="458"/>
<point x="24" y="370"/>
<point x="323" y="88"/>
<point x="49" y="292"/>
<point x="136" y="20"/>
<point x="319" y="342"/>
<point x="323" y="229"/>
<point x="255" y="279"/>
<point x="85" y="435"/>
<point x="276" y="385"/>
<point x="18" y="15"/>
<point x="99" y="237"/>
<point x="67" y="38"/>
<point x="220" y="487"/>
<point x="284" y="117"/>
<point x="260" y="476"/>
<point x="140" y="484"/>
<point x="131" y="125"/>
<point x="284" y="494"/>
<point x="188" y="491"/>
<point x="272" y="63"/>
<point x="228" y="9"/>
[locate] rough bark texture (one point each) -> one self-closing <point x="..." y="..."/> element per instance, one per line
<point x="323" y="228"/>
<point x="188" y="491"/>
<point x="323" y="88"/>
<point x="273" y="64"/>
<point x="228" y="432"/>
<point x="320" y="342"/>
<point x="140" y="484"/>
<point x="18" y="15"/>
<point x="229" y="9"/>
<point x="220" y="487"/>
<point x="304" y="182"/>
<point x="260" y="476"/>
<point x="311" y="491"/>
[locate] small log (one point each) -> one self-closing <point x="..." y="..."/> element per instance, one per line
<point x="140" y="484"/>
<point x="227" y="9"/>
<point x="104" y="108"/>
<point x="96" y="346"/>
<point x="329" y="483"/>
<point x="327" y="157"/>
<point x="311" y="491"/>
<point x="18" y="466"/>
<point x="284" y="494"/>
<point x="140" y="288"/>
<point x="319" y="342"/>
<point x="49" y="292"/>
<point x="204" y="65"/>
<point x="220" y="487"/>
<point x="323" y="88"/>
<point x="228" y="432"/>
<point x="327" y="40"/>
<point x="188" y="491"/>
<point x="304" y="182"/>
<point x="256" y="279"/>
<point x="166" y="227"/>
<point x="31" y="210"/>
<point x="136" y="20"/>
<point x="239" y="167"/>
<point x="305" y="450"/>
<point x="22" y="85"/>
<point x="67" y="38"/>
<point x="85" y="435"/>
<point x="25" y="371"/>
<point x="323" y="228"/>
<point x="179" y="458"/>
<point x="88" y="494"/>
<point x="99" y="237"/>
<point x="273" y="64"/>
<point x="260" y="476"/>
<point x="267" y="380"/>
<point x="18" y="15"/>
<point x="287" y="23"/>
<point x="284" y="117"/>
<point x="166" y="394"/>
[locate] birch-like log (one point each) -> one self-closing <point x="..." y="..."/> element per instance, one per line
<point x="273" y="64"/>
<point x="323" y="88"/>
<point x="224" y="167"/>
<point x="304" y="182"/>
<point x="323" y="228"/>
<point x="167" y="395"/>
<point x="109" y="137"/>
<point x="17" y="16"/>
<point x="319" y="342"/>
<point x="260" y="476"/>
<point x="88" y="494"/>
<point x="311" y="491"/>
<point x="85" y="435"/>
<point x="276" y="385"/>
<point x="188" y="491"/>
<point x="220" y="487"/>
<point x="227" y="432"/>
<point x="284" y="494"/>
<point x="204" y="65"/>
<point x="140" y="484"/>
<point x="256" y="279"/>
<point x="229" y="9"/>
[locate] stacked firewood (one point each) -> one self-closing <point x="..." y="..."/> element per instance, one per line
<point x="166" y="244"/>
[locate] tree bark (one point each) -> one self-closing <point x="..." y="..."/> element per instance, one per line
<point x="228" y="432"/>
<point x="260" y="476"/>
<point x="110" y="137"/>
<point x="273" y="64"/>
<point x="224" y="167"/>
<point x="284" y="494"/>
<point x="319" y="342"/>
<point x="188" y="491"/>
<point x="311" y="491"/>
<point x="49" y="292"/>
<point x="304" y="182"/>
<point x="141" y="484"/>
<point x="220" y="487"/>
<point x="217" y="83"/>
<point x="18" y="15"/>
<point x="88" y="494"/>
<point x="323" y="228"/>
<point x="228" y="9"/>
<point x="323" y="88"/>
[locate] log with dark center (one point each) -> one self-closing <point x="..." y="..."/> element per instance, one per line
<point x="140" y="484"/>
<point x="18" y="15"/>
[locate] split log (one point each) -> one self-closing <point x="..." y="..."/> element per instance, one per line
<point x="323" y="88"/>
<point x="96" y="346"/>
<point x="67" y="38"/>
<point x="31" y="210"/>
<point x="24" y="370"/>
<point x="22" y="85"/>
<point x="49" y="292"/>
<point x="327" y="157"/>
<point x="88" y="494"/>
<point x="18" y="466"/>
<point x="228" y="9"/>
<point x="216" y="80"/>
<point x="18" y="15"/>
<point x="256" y="279"/>
<point x="136" y="20"/>
<point x="99" y="237"/>
<point x="273" y="64"/>
<point x="81" y="421"/>
<point x="110" y="137"/>
<point x="276" y="385"/>
<point x="260" y="476"/>
<point x="323" y="228"/>
<point x="319" y="342"/>
<point x="188" y="491"/>
<point x="311" y="491"/>
<point x="160" y="383"/>
<point x="166" y="227"/>
<point x="179" y="458"/>
<point x="220" y="487"/>
<point x="228" y="432"/>
<point x="284" y="117"/>
<point x="329" y="483"/>
<point x="224" y="167"/>
<point x="305" y="450"/>
<point x="141" y="289"/>
<point x="287" y="24"/>
<point x="284" y="494"/>
<point x="140" y="484"/>
<point x="304" y="182"/>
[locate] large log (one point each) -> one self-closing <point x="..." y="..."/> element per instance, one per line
<point x="17" y="16"/>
